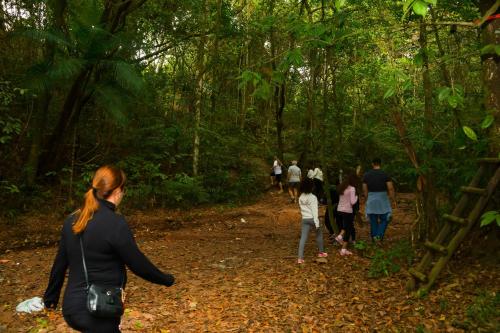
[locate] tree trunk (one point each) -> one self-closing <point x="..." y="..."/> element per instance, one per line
<point x="74" y="103"/>
<point x="428" y="190"/>
<point x="57" y="9"/>
<point x="113" y="20"/>
<point x="198" y="104"/>
<point x="279" y="92"/>
<point x="323" y="140"/>
<point x="491" y="71"/>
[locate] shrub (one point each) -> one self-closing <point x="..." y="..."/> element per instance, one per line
<point x="386" y="262"/>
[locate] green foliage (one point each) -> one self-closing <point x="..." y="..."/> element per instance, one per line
<point x="419" y="6"/>
<point x="470" y="133"/>
<point x="490" y="217"/>
<point x="8" y="128"/>
<point x="484" y="312"/>
<point x="386" y="262"/>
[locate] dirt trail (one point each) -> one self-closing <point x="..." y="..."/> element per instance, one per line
<point x="236" y="271"/>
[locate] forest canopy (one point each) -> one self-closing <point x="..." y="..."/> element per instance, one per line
<point x="194" y="98"/>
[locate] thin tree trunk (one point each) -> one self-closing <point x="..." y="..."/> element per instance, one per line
<point x="323" y="140"/>
<point x="491" y="72"/>
<point x="279" y="92"/>
<point x="428" y="190"/>
<point x="198" y="104"/>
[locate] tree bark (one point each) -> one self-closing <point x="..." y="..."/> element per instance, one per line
<point x="428" y="191"/>
<point x="279" y="92"/>
<point x="57" y="8"/>
<point x="198" y="104"/>
<point x="491" y="72"/>
<point x="112" y="19"/>
<point x="323" y="140"/>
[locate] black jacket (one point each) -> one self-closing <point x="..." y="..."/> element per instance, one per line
<point x="109" y="245"/>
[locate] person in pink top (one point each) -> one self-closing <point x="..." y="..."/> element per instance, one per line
<point x="347" y="200"/>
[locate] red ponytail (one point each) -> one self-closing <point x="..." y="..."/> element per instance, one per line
<point x="106" y="179"/>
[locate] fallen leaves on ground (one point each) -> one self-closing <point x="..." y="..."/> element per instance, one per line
<point x="236" y="271"/>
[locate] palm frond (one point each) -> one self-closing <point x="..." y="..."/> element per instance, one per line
<point x="44" y="35"/>
<point x="65" y="68"/>
<point x="113" y="101"/>
<point x="127" y="77"/>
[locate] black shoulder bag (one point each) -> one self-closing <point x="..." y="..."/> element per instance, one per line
<point x="103" y="301"/>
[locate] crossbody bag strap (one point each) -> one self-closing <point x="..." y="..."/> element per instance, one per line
<point x="84" y="265"/>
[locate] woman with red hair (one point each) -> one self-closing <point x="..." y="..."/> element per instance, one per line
<point x="96" y="244"/>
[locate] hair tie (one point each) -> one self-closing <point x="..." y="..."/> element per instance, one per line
<point x="94" y="191"/>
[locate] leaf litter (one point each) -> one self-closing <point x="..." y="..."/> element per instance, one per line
<point x="245" y="278"/>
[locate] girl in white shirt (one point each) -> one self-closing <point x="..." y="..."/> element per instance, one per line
<point x="309" y="210"/>
<point x="347" y="200"/>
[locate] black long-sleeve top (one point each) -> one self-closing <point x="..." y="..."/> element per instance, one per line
<point x="109" y="245"/>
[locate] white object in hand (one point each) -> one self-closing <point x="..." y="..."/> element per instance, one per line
<point x="34" y="304"/>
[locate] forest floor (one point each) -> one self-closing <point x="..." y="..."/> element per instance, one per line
<point x="236" y="271"/>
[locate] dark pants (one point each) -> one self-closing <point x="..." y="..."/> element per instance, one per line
<point x="337" y="219"/>
<point x="348" y="226"/>
<point x="318" y="189"/>
<point x="85" y="322"/>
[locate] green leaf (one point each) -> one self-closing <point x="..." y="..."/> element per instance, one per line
<point x="389" y="93"/>
<point x="420" y="8"/>
<point x="339" y="4"/>
<point x="489" y="217"/>
<point x="453" y="100"/>
<point x="419" y="59"/>
<point x="470" y="133"/>
<point x="497" y="49"/>
<point x="431" y="2"/>
<point x="488" y="49"/>
<point x="444" y="94"/>
<point x="488" y="120"/>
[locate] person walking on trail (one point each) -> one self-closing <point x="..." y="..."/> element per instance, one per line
<point x="309" y="211"/>
<point x="294" y="175"/>
<point x="378" y="188"/>
<point x="347" y="200"/>
<point x="335" y="201"/>
<point x="96" y="245"/>
<point x="317" y="177"/>
<point x="277" y="169"/>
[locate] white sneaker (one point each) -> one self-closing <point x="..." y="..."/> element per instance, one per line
<point x="345" y="252"/>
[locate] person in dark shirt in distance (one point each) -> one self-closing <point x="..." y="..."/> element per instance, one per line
<point x="109" y="246"/>
<point x="377" y="189"/>
<point x="335" y="201"/>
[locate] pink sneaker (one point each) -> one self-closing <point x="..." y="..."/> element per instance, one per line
<point x="300" y="261"/>
<point x="345" y="252"/>
<point x="339" y="239"/>
<point x="322" y="254"/>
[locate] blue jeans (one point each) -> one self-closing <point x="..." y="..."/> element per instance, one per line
<point x="378" y="224"/>
<point x="307" y="224"/>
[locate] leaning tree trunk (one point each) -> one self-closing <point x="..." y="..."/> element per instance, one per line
<point x="112" y="20"/>
<point x="57" y="9"/>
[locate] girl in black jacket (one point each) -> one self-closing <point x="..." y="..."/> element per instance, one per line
<point x="109" y="246"/>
